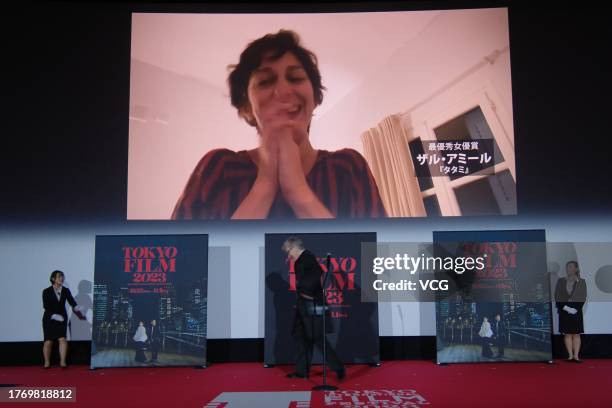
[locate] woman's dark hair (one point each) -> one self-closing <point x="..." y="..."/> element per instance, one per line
<point x="576" y="265"/>
<point x="271" y="47"/>
<point x="54" y="275"/>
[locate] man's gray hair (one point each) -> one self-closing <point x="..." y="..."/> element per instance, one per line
<point x="294" y="241"/>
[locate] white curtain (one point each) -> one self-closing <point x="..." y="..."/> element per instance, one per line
<point x="386" y="150"/>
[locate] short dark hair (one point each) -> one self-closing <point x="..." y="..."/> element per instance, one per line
<point x="278" y="44"/>
<point x="54" y="275"/>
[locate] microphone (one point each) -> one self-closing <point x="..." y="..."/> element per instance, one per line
<point x="327" y="270"/>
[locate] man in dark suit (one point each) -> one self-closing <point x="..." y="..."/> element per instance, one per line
<point x="500" y="333"/>
<point x="154" y="339"/>
<point x="308" y="323"/>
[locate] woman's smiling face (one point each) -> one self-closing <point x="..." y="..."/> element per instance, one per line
<point x="280" y="92"/>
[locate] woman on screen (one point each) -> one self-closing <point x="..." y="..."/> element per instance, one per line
<point x="570" y="296"/>
<point x="275" y="88"/>
<point x="55" y="318"/>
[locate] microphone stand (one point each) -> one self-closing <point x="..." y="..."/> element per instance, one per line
<point x="324" y="386"/>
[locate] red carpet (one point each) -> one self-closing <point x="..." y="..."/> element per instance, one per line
<point x="489" y="385"/>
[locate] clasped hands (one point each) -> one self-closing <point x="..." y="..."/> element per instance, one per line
<point x="279" y="159"/>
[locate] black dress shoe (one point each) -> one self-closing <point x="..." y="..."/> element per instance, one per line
<point x="341" y="374"/>
<point x="577" y="360"/>
<point x="296" y="375"/>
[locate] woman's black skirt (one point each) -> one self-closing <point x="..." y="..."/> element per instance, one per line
<point x="570" y="324"/>
<point x="52" y="329"/>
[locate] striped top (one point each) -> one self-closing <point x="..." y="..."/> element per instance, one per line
<point x="222" y="179"/>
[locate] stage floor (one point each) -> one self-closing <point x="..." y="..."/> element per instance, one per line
<point x="415" y="383"/>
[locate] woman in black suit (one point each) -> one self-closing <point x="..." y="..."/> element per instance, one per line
<point x="55" y="318"/>
<point x="570" y="296"/>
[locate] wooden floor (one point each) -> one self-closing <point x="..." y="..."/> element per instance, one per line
<point x="125" y="358"/>
<point x="462" y="353"/>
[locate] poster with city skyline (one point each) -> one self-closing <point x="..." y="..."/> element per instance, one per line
<point x="150" y="300"/>
<point x="499" y="313"/>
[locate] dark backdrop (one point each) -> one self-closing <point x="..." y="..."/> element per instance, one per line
<point x="65" y="123"/>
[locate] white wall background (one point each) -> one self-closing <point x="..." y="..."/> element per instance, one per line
<point x="236" y="272"/>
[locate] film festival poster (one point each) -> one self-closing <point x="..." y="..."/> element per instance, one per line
<point x="150" y="301"/>
<point x="501" y="312"/>
<point x="348" y="317"/>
